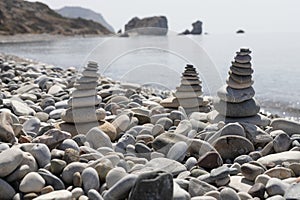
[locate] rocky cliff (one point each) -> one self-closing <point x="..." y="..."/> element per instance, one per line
<point x="147" y="26"/>
<point x="18" y="17"/>
<point x="76" y="12"/>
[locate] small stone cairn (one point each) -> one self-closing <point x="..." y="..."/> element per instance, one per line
<point x="236" y="98"/>
<point x="188" y="94"/>
<point x="81" y="112"/>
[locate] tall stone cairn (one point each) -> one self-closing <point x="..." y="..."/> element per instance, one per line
<point x="236" y="98"/>
<point x="82" y="104"/>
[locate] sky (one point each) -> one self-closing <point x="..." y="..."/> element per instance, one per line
<point x="218" y="16"/>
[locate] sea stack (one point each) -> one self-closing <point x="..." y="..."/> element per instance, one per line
<point x="189" y="94"/>
<point x="236" y="98"/>
<point x="81" y="112"/>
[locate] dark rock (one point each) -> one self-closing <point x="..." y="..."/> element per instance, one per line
<point x="240" y="31"/>
<point x="153" y="185"/>
<point x="147" y="26"/>
<point x="197" y="28"/>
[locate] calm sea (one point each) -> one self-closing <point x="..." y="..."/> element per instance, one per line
<point x="159" y="61"/>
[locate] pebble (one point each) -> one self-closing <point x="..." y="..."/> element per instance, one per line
<point x="32" y="182"/>
<point x="178" y="151"/>
<point x="281" y="143"/>
<point x="257" y="190"/>
<point x="70" y="169"/>
<point x="60" y="194"/>
<point x="276" y="187"/>
<point x="39" y="151"/>
<point x="10" y="159"/>
<point x="90" y="179"/>
<point x="199" y="188"/>
<point x="251" y="171"/>
<point x="97" y="138"/>
<point x="228" y="193"/>
<point x="114" y="175"/>
<point x="6" y="190"/>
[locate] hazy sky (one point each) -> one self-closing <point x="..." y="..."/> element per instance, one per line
<point x="219" y="16"/>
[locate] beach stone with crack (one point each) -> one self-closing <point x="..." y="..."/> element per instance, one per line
<point x="32" y="182"/>
<point x="6" y="190"/>
<point x="10" y="159"/>
<point x="231" y="146"/>
<point x="210" y="160"/>
<point x="97" y="138"/>
<point x="153" y="185"/>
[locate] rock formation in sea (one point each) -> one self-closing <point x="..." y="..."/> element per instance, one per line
<point x="197" y="29"/>
<point x="81" y="114"/>
<point x="188" y="94"/>
<point x="236" y="99"/>
<point x="157" y="25"/>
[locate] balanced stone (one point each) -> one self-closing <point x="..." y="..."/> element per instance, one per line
<point x="236" y="99"/>
<point x="188" y="94"/>
<point x="80" y="117"/>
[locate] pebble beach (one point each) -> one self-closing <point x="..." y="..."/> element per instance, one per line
<point x="67" y="134"/>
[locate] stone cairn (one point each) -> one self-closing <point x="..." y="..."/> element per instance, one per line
<point x="81" y="113"/>
<point x="188" y="94"/>
<point x="236" y="99"/>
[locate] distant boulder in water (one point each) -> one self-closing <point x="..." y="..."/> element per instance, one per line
<point x="197" y="29"/>
<point x="240" y="31"/>
<point x="157" y="25"/>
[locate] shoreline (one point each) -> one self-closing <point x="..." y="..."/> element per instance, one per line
<point x="89" y="136"/>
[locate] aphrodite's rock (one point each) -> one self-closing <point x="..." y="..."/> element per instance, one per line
<point x="147" y="26"/>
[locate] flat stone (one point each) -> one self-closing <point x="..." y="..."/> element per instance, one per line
<point x="280" y="173"/>
<point x="6" y="190"/>
<point x="190" y="102"/>
<point x="97" y="138"/>
<point x="240" y="184"/>
<point x="84" y="101"/>
<point x="288" y="126"/>
<point x="241" y="71"/>
<point x="190" y="82"/>
<point x="52" y="138"/>
<point x="114" y="175"/>
<point x="229" y="94"/>
<point x="10" y="159"/>
<point x="164" y="164"/>
<point x="85" y="79"/>
<point x="78" y="128"/>
<point x="244" y="109"/>
<point x="51" y="179"/>
<point x="237" y="85"/>
<point x="187" y="95"/>
<point x="210" y="160"/>
<point x="56" y="114"/>
<point x="153" y="185"/>
<point x="60" y="194"/>
<point x="83" y="93"/>
<point x="171" y="102"/>
<point x="241" y="65"/>
<point x="240" y="79"/>
<point x="90" y="179"/>
<point x="178" y="151"/>
<point x="21" y="109"/>
<point x="121" y="189"/>
<point x="279" y="158"/>
<point x="242" y="58"/>
<point x="86" y="86"/>
<point x="231" y="146"/>
<point x="90" y="73"/>
<point x="32" y="182"/>
<point x="189" y="88"/>
<point x="79" y="115"/>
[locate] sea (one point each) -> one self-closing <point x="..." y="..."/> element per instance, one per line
<point x="158" y="61"/>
